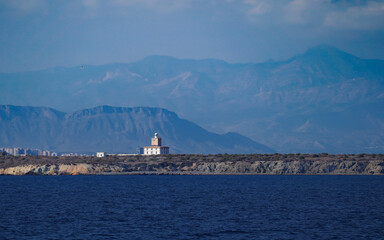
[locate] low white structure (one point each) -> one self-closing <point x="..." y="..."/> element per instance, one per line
<point x="156" y="148"/>
<point x="101" y="154"/>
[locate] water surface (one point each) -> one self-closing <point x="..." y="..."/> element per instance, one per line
<point x="191" y="207"/>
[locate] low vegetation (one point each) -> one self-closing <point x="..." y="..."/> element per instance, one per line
<point x="181" y="159"/>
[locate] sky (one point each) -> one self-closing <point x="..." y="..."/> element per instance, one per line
<point x="39" y="34"/>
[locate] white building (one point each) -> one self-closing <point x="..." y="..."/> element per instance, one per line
<point x="46" y="153"/>
<point x="156" y="148"/>
<point x="101" y="154"/>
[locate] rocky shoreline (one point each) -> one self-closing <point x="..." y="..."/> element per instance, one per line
<point x="254" y="164"/>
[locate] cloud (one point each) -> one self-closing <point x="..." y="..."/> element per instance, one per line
<point x="91" y="8"/>
<point x="336" y="14"/>
<point x="258" y="7"/>
<point x="154" y="5"/>
<point x="303" y="11"/>
<point x="317" y="13"/>
<point x="369" y="16"/>
<point x="283" y="12"/>
<point x="24" y="6"/>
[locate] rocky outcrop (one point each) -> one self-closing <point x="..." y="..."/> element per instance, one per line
<point x="49" y="170"/>
<point x="304" y="167"/>
<point x="295" y="167"/>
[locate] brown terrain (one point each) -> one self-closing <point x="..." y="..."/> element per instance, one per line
<point x="274" y="164"/>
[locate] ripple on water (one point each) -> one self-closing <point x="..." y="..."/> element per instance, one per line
<point x="191" y="207"/>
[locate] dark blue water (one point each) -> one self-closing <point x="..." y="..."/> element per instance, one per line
<point x="192" y="207"/>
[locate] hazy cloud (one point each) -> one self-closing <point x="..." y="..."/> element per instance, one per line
<point x="317" y="13"/>
<point x="162" y="5"/>
<point x="36" y="34"/>
<point x="24" y="6"/>
<point x="352" y="14"/>
<point x="258" y="7"/>
<point x="93" y="7"/>
<point x="368" y="16"/>
<point x="153" y="5"/>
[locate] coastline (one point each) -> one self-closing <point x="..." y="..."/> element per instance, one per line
<point x="253" y="164"/>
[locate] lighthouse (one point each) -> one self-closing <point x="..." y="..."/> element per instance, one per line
<point x="156" y="148"/>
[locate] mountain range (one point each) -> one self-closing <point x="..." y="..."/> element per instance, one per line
<point x="324" y="100"/>
<point x="113" y="129"/>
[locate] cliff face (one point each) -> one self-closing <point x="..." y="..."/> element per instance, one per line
<point x="61" y="169"/>
<point x="305" y="167"/>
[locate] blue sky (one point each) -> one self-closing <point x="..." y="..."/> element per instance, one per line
<point x="38" y="34"/>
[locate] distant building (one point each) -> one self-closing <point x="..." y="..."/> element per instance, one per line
<point x="156" y="148"/>
<point x="46" y="153"/>
<point x="101" y="154"/>
<point x="33" y="152"/>
<point x="18" y="151"/>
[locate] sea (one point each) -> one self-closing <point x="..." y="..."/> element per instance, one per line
<point x="191" y="207"/>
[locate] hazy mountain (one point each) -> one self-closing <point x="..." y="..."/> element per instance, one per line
<point x="113" y="129"/>
<point x="323" y="100"/>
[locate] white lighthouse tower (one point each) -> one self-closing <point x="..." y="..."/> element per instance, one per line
<point x="156" y="148"/>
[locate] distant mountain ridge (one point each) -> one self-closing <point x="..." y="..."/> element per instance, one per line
<point x="324" y="100"/>
<point x="112" y="129"/>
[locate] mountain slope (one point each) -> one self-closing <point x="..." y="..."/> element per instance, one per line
<point x="113" y="129"/>
<point x="286" y="104"/>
